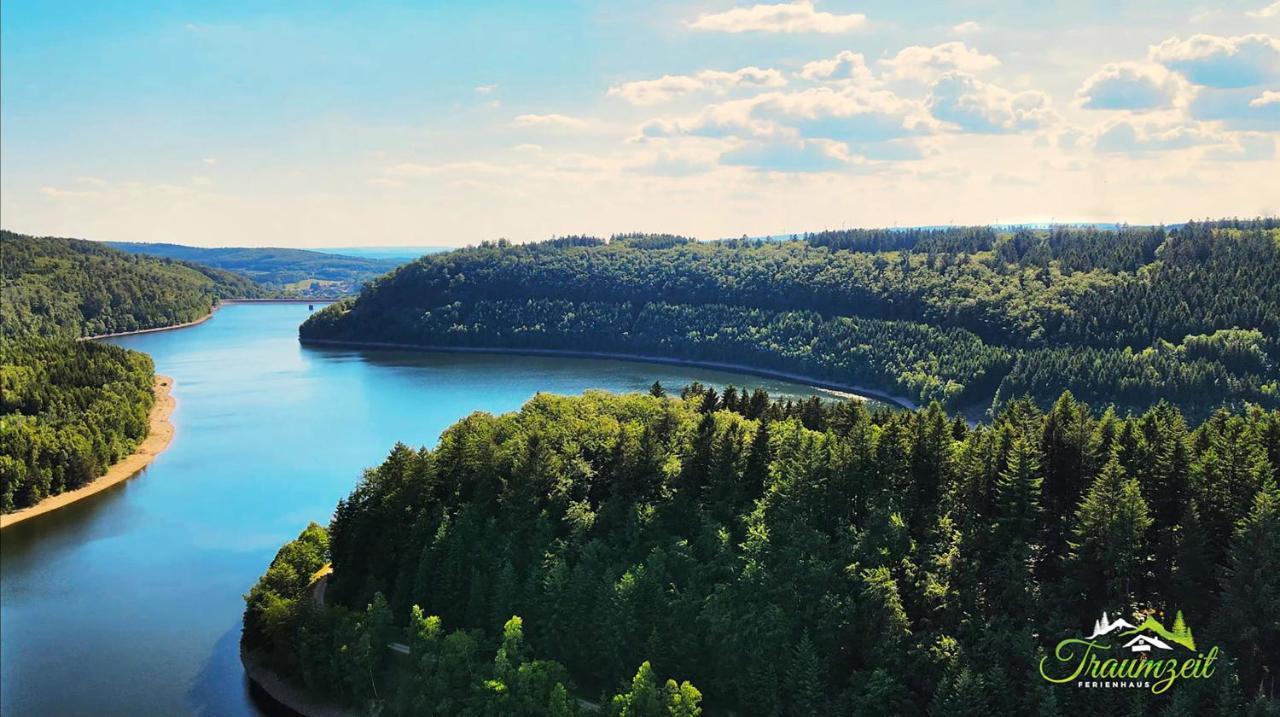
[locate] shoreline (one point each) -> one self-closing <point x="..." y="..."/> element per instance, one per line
<point x="843" y="390"/>
<point x="283" y="692"/>
<point x="157" y="329"/>
<point x="221" y="303"/>
<point x="157" y="439"/>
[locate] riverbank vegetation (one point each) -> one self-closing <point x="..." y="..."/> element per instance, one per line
<point x="667" y="554"/>
<point x="73" y="288"/>
<point x="971" y="317"/>
<point x="68" y="410"/>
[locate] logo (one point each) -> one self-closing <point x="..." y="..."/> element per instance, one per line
<point x="1119" y="654"/>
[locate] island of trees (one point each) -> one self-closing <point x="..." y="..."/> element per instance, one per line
<point x="648" y="555"/>
<point x="971" y="317"/>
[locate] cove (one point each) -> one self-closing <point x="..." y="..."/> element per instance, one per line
<point x="129" y="602"/>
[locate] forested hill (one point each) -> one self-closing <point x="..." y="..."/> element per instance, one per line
<point x="71" y="288"/>
<point x="968" y="316"/>
<point x="826" y="561"/>
<point x="295" y="272"/>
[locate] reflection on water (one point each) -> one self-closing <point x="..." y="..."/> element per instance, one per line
<point x="129" y="602"/>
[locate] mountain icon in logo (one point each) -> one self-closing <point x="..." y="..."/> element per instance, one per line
<point x="1104" y="626"/>
<point x="1180" y="634"/>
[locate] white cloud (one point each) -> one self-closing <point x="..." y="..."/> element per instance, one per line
<point x="1132" y="86"/>
<point x="485" y="89"/>
<point x="811" y="128"/>
<point x="668" y="87"/>
<point x="980" y="107"/>
<point x="1271" y="10"/>
<point x="1245" y="146"/>
<point x="1125" y="136"/>
<point x="1222" y="62"/>
<point x="788" y="156"/>
<point x="922" y="64"/>
<point x="847" y="65"/>
<point x="92" y="181"/>
<point x="787" y="17"/>
<point x="966" y="28"/>
<point x="549" y="120"/>
<point x="1269" y="97"/>
<point x="210" y="161"/>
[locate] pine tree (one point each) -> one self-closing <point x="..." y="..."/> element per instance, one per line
<point x="1250" y="611"/>
<point x="804" y="681"/>
<point x="1109" y="548"/>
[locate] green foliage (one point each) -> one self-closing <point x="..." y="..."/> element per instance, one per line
<point x="966" y="316"/>
<point x="68" y="410"/>
<point x="73" y="288"/>
<point x="792" y="558"/>
<point x="293" y="272"/>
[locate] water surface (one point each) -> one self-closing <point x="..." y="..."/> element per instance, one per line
<point x="129" y="602"/>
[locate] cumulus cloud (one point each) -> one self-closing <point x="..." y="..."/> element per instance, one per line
<point x="1244" y="146"/>
<point x="966" y="28"/>
<point x="786" y="156"/>
<point x="975" y="106"/>
<point x="1269" y="97"/>
<point x="787" y="17"/>
<point x="843" y="121"/>
<point x="852" y="114"/>
<point x="847" y="65"/>
<point x="923" y="64"/>
<point x="1222" y="62"/>
<point x="549" y="120"/>
<point x="668" y="87"/>
<point x="1132" y="86"/>
<point x="1125" y="136"/>
<point x="1271" y="10"/>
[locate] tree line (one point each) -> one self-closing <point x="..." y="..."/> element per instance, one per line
<point x="72" y="288"/>
<point x="784" y="558"/>
<point x="69" y="410"/>
<point x="996" y="316"/>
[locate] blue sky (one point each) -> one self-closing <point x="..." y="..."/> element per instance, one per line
<point x="325" y="124"/>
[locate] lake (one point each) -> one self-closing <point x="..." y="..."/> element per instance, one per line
<point x="129" y="602"/>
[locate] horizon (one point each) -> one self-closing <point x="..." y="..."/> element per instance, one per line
<point x="394" y="125"/>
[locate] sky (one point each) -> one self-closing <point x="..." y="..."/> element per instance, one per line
<point x="320" y="124"/>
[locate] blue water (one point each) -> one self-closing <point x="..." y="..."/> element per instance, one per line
<point x="129" y="602"/>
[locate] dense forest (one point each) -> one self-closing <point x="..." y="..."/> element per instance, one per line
<point x="668" y="555"/>
<point x="971" y="317"/>
<point x="73" y="288"/>
<point x="68" y="410"/>
<point x="287" y="272"/>
<point x="71" y="408"/>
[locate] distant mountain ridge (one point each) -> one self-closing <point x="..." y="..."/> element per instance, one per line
<point x="291" y="272"/>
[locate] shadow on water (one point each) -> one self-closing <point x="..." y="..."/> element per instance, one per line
<point x="217" y="689"/>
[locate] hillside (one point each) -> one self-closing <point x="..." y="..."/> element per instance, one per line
<point x="828" y="561"/>
<point x="972" y="317"/>
<point x="293" y="272"/>
<point x="70" y="288"/>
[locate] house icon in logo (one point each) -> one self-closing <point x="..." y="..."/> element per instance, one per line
<point x="1144" y="643"/>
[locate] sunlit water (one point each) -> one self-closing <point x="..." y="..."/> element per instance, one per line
<point x="129" y="602"/>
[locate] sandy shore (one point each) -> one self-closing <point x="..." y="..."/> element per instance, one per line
<point x="155" y="442"/>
